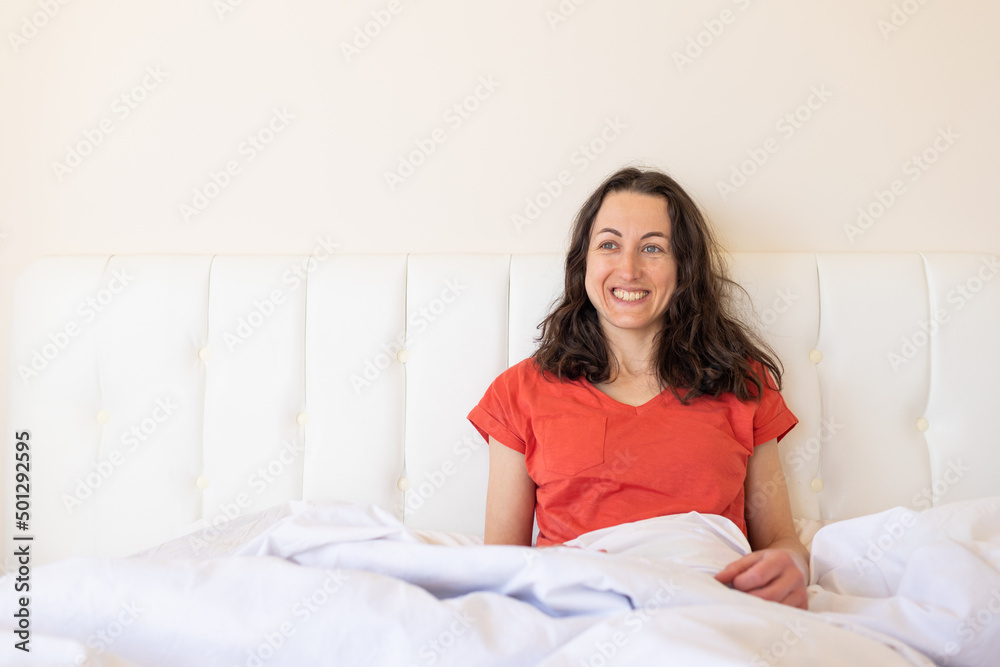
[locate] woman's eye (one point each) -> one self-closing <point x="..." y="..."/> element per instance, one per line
<point x="607" y="245"/>
<point x="651" y="249"/>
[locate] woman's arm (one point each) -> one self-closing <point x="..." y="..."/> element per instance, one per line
<point x="510" y="498"/>
<point x="778" y="568"/>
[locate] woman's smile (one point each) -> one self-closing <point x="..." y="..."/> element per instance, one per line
<point x="624" y="295"/>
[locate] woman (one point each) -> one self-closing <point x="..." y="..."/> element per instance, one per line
<point x="645" y="398"/>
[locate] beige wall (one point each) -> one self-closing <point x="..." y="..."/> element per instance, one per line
<point x="837" y="101"/>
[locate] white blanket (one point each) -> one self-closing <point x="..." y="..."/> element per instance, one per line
<point x="348" y="584"/>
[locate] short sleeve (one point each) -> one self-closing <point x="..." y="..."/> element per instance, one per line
<point x="772" y="419"/>
<point x="497" y="414"/>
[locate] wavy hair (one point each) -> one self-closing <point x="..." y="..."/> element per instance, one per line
<point x="702" y="348"/>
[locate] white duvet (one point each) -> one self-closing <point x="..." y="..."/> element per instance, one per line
<point x="347" y="584"/>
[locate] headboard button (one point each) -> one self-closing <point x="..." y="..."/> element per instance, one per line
<point x="403" y="484"/>
<point x="816" y="485"/>
<point x="204" y="354"/>
<point x="403" y="356"/>
<point x="815" y="356"/>
<point x="302" y="418"/>
<point x="103" y="417"/>
<point x="201" y="482"/>
<point x="922" y="425"/>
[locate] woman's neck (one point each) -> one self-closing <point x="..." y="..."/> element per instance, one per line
<point x="634" y="358"/>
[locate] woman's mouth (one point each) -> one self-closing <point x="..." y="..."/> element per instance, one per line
<point x="626" y="295"/>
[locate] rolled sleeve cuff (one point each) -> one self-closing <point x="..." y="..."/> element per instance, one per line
<point x="776" y="428"/>
<point x="487" y="425"/>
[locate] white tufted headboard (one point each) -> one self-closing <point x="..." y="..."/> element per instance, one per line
<point x="162" y="390"/>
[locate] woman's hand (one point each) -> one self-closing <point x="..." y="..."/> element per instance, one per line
<point x="777" y="574"/>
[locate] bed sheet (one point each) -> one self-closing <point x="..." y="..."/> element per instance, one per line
<point x="348" y="584"/>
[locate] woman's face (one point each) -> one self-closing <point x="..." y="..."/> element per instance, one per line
<point x="630" y="270"/>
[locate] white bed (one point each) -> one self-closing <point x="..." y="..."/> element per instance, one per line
<point x="166" y="394"/>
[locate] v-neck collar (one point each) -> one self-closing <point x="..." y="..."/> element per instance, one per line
<point x="618" y="405"/>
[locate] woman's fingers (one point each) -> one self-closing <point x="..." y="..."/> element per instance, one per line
<point x="770" y="574"/>
<point x="738" y="566"/>
<point x="786" y="587"/>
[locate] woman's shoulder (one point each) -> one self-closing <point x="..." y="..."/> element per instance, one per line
<point x="528" y="372"/>
<point x="524" y="371"/>
<point x="516" y="383"/>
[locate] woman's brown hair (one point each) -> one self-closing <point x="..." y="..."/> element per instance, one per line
<point x="702" y="349"/>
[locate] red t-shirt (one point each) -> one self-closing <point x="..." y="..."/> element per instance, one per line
<point x="598" y="463"/>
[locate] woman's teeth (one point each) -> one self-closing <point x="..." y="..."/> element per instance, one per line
<point x="629" y="296"/>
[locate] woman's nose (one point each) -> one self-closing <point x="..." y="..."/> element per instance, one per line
<point x="628" y="267"/>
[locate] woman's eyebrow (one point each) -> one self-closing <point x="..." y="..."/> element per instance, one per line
<point x="644" y="236"/>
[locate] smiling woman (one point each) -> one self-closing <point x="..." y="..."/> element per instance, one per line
<point x="641" y="361"/>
